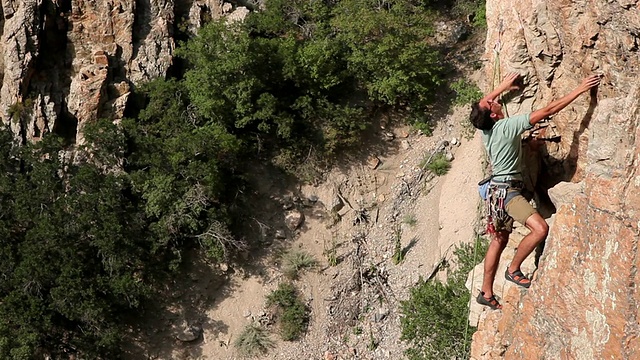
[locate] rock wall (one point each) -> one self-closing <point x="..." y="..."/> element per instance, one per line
<point x="69" y="62"/>
<point x="583" y="303"/>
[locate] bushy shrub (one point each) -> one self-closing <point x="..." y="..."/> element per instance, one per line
<point x="303" y="75"/>
<point x="439" y="165"/>
<point x="386" y="49"/>
<point x="253" y="340"/>
<point x="435" y="321"/>
<point x="293" y="315"/>
<point x="436" y="314"/>
<point x="466" y="92"/>
<point x="295" y="261"/>
<point x="73" y="264"/>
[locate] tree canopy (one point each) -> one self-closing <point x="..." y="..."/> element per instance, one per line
<point x="304" y="73"/>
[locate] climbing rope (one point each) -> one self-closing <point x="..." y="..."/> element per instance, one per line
<point x="496" y="64"/>
<point x="496" y="77"/>
<point x="466" y="327"/>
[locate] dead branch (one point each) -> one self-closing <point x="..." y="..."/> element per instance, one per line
<point x="218" y="234"/>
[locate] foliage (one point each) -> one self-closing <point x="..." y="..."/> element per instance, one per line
<point x="219" y="242"/>
<point x="373" y="343"/>
<point x="19" y="110"/>
<point x="466" y="92"/>
<point x="436" y="315"/>
<point x="302" y="75"/>
<point x="19" y="113"/>
<point x="331" y="251"/>
<point x="467" y="255"/>
<point x="435" y="321"/>
<point x="88" y="235"/>
<point x="474" y="9"/>
<point x="439" y="164"/>
<point x="253" y="340"/>
<point x="294" y="261"/>
<point x="398" y="252"/>
<point x="386" y="49"/>
<point x="293" y="314"/>
<point x="423" y="125"/>
<point x="180" y="165"/>
<point x="263" y="90"/>
<point x="75" y="254"/>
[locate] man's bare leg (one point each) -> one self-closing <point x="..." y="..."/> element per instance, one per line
<point x="539" y="230"/>
<point x="491" y="260"/>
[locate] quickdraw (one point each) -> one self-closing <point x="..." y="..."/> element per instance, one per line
<point x="496" y="200"/>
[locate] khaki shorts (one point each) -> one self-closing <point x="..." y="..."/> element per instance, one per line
<point x="518" y="208"/>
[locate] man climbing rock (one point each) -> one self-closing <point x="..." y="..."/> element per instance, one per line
<point x="502" y="140"/>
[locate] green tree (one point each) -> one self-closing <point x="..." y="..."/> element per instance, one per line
<point x="389" y="52"/>
<point x="75" y="254"/>
<point x="180" y="165"/>
<point x="304" y="74"/>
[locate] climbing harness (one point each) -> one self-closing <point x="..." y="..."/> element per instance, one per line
<point x="496" y="195"/>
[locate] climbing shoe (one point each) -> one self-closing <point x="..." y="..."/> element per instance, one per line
<point x="518" y="278"/>
<point x="491" y="302"/>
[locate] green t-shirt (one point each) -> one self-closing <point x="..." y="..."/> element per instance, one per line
<point x="504" y="145"/>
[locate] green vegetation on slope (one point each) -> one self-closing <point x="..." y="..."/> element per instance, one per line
<point x="304" y="74"/>
<point x="435" y="321"/>
<point x="87" y="238"/>
<point x="76" y="255"/>
<point x="292" y="314"/>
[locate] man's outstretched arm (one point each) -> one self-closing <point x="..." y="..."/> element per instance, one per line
<point x="588" y="83"/>
<point x="505" y="85"/>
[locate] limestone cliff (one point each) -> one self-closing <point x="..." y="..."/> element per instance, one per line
<point x="583" y="303"/>
<point x="68" y="62"/>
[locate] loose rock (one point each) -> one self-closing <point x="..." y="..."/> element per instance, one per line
<point x="189" y="333"/>
<point x="293" y="219"/>
<point x="373" y="162"/>
<point x="449" y="156"/>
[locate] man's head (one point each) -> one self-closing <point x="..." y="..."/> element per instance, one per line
<point x="485" y="113"/>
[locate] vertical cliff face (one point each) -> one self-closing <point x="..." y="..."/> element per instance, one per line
<point x="69" y="62"/>
<point x="584" y="301"/>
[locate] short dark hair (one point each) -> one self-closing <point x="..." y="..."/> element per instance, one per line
<point x="480" y="118"/>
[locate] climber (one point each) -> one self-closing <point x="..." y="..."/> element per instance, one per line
<point x="502" y="140"/>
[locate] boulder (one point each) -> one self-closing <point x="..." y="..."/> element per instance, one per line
<point x="293" y="219"/>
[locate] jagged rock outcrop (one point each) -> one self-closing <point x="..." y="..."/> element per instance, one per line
<point x="69" y="62"/>
<point x="19" y="48"/>
<point x="584" y="301"/>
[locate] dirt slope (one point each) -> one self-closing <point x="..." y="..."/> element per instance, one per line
<point x="355" y="303"/>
